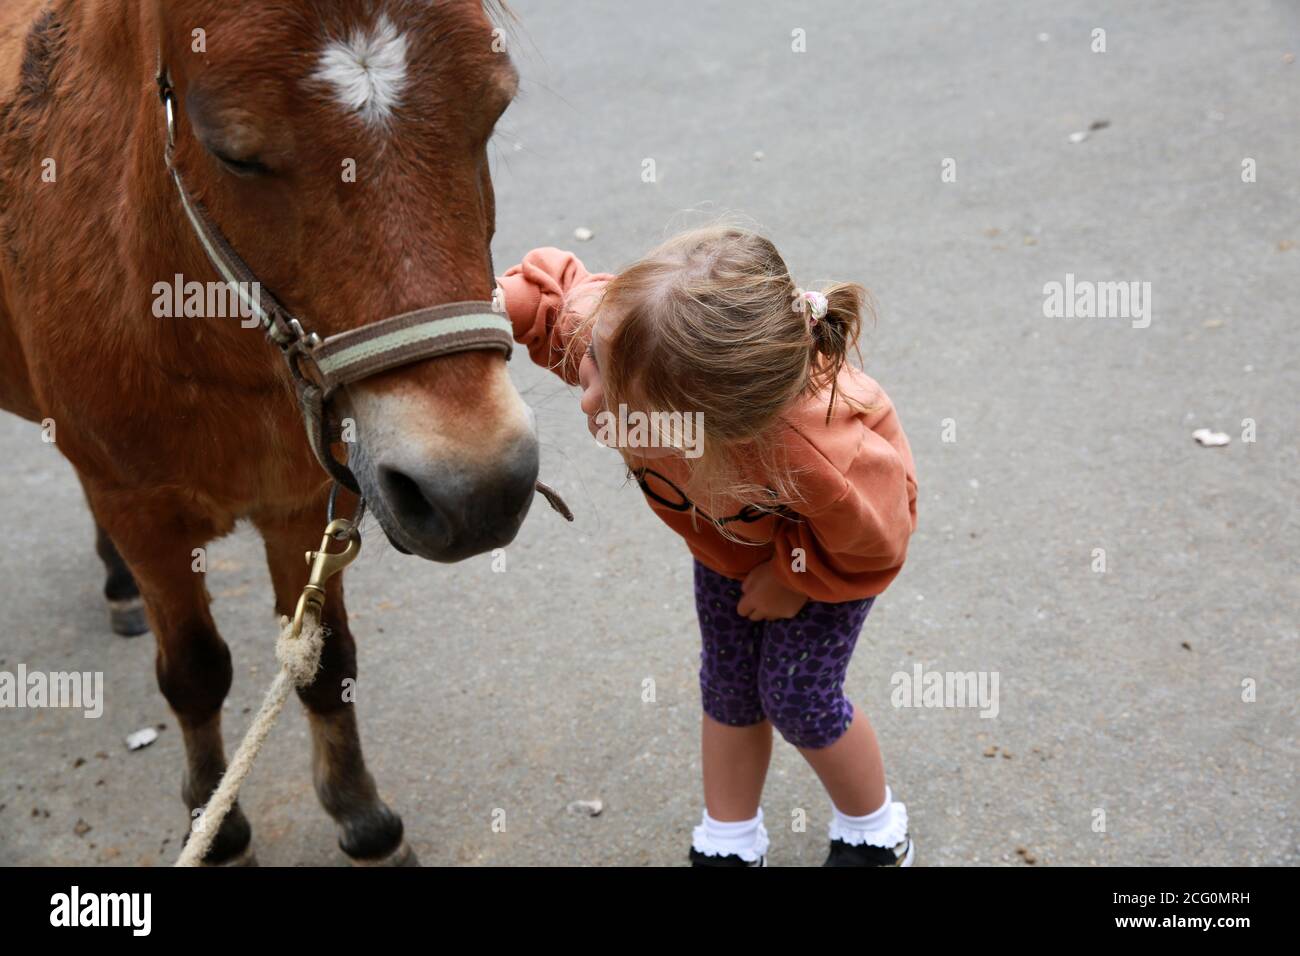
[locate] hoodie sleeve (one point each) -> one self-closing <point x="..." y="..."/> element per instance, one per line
<point x="546" y="296"/>
<point x="854" y="546"/>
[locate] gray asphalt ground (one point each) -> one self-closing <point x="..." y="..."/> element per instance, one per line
<point x="1122" y="691"/>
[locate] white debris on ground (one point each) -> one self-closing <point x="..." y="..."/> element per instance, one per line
<point x="1210" y="439"/>
<point x="141" y="738"/>
<point x="582" y="234"/>
<point x="1095" y="125"/>
<point x="590" y="808"/>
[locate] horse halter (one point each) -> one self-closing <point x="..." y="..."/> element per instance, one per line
<point x="320" y="366"/>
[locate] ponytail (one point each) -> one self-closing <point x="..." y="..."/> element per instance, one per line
<point x="835" y="334"/>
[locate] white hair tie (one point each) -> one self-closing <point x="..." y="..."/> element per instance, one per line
<point x="814" y="302"/>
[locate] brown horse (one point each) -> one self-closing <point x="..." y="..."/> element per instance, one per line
<point x="180" y="427"/>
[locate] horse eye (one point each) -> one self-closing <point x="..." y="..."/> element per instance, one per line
<point x="251" y="166"/>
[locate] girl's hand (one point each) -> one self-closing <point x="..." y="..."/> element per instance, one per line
<point x="765" y="598"/>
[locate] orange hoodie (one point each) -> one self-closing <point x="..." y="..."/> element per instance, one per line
<point x="856" y="474"/>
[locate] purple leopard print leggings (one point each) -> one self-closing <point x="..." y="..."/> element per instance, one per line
<point x="791" y="671"/>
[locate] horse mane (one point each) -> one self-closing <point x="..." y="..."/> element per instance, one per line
<point x="41" y="55"/>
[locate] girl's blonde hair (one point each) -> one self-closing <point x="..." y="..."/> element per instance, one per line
<point x="711" y="322"/>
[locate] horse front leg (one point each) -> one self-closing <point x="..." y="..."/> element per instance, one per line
<point x="370" y="833"/>
<point x="156" y="540"/>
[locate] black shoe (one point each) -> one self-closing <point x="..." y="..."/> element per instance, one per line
<point x="731" y="859"/>
<point x="846" y="854"/>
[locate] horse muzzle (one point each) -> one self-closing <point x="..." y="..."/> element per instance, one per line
<point x="438" y="494"/>
<point x="446" y="514"/>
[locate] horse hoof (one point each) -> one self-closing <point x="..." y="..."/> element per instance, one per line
<point x="127" y="617"/>
<point x="245" y="857"/>
<point x="402" y="856"/>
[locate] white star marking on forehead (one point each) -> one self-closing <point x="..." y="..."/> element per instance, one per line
<point x="367" y="71"/>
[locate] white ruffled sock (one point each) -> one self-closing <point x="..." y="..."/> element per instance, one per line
<point x="884" y="827"/>
<point x="747" y="839"/>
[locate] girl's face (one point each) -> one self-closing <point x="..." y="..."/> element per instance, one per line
<point x="593" y="389"/>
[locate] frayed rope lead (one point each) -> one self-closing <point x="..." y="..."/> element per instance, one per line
<point x="299" y="661"/>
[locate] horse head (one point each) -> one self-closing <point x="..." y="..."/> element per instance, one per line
<point x="341" y="147"/>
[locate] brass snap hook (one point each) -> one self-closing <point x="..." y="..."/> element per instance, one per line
<point x="324" y="565"/>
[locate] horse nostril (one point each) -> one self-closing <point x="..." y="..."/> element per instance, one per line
<point x="403" y="492"/>
<point x="412" y="506"/>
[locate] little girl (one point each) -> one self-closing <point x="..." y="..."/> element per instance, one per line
<point x="797" y="508"/>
